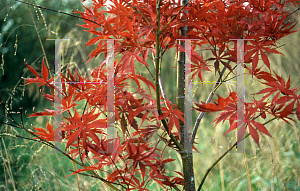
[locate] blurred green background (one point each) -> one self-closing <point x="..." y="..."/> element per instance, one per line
<point x="30" y="166"/>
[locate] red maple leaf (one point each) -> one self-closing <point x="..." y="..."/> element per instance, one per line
<point x="173" y="114"/>
<point x="38" y="79"/>
<point x="218" y="106"/>
<point x="198" y="66"/>
<point x="259" y="46"/>
<point x="44" y="134"/>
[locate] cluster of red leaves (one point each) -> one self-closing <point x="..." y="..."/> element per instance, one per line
<point x="281" y="106"/>
<point x="214" y="23"/>
<point x="86" y="133"/>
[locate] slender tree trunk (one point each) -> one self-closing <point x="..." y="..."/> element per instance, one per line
<point x="187" y="155"/>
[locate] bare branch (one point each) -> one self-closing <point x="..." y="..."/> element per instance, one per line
<point x="200" y="116"/>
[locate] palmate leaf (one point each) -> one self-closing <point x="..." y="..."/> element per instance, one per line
<point x="171" y="111"/>
<point x="198" y="66"/>
<point x="218" y="57"/>
<point x="259" y="46"/>
<point x="44" y="134"/>
<point x="38" y="79"/>
<point x="219" y="106"/>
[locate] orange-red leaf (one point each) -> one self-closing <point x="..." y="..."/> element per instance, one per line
<point x="44" y="71"/>
<point x="73" y="138"/>
<point x="32" y="69"/>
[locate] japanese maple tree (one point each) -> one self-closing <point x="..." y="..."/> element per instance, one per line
<point x="145" y="118"/>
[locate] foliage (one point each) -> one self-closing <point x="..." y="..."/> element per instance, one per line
<point x="143" y="25"/>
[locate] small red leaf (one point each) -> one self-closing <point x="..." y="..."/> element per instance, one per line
<point x="265" y="59"/>
<point x="298" y="110"/>
<point x="261" y="127"/>
<point x="50" y="128"/>
<point x="92" y="41"/>
<point x="44" y="71"/>
<point x="32" y="69"/>
<point x="254" y="134"/>
<point x="232" y="127"/>
<point x="73" y="138"/>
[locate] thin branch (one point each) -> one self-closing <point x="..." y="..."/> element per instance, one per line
<point x="166" y="127"/>
<point x="200" y="116"/>
<point x="119" y="173"/>
<point x="96" y="177"/>
<point x="293" y="12"/>
<point x="220" y="158"/>
<point x="59" y="12"/>
<point x="150" y="73"/>
<point x="9" y="124"/>
<point x="12" y="119"/>
<point x="214" y="164"/>
<point x="159" y="79"/>
<point x="36" y="140"/>
<point x="162" y="87"/>
<point x="43" y="141"/>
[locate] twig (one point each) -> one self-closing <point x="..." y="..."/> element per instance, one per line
<point x="120" y="174"/>
<point x="162" y="87"/>
<point x="96" y="177"/>
<point x="293" y="12"/>
<point x="200" y="116"/>
<point x="214" y="164"/>
<point x="166" y="127"/>
<point x="43" y="141"/>
<point x="59" y="12"/>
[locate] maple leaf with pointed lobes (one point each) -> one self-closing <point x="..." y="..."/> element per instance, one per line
<point x="229" y="114"/>
<point x="198" y="66"/>
<point x="174" y="115"/>
<point x="218" y="106"/>
<point x="43" y="133"/>
<point x="259" y="46"/>
<point x="253" y="131"/>
<point x="139" y="157"/>
<point x="82" y="125"/>
<point x="41" y="80"/>
<point x="219" y="58"/>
